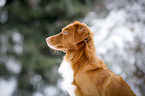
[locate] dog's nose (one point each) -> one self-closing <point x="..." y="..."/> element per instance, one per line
<point x="47" y="39"/>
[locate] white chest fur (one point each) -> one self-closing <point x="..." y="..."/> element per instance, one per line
<point x="67" y="73"/>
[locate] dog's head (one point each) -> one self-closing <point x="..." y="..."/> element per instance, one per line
<point x="69" y="37"/>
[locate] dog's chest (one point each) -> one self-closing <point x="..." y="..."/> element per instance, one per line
<point x="67" y="73"/>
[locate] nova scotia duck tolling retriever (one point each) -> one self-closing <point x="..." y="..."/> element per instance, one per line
<point x="83" y="72"/>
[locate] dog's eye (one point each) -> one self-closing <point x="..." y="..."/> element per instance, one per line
<point x="64" y="32"/>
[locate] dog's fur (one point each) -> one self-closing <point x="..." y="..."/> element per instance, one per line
<point x="84" y="73"/>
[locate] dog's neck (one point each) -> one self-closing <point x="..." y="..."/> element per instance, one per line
<point x="84" y="54"/>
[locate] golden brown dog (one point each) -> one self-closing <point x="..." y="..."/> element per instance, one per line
<point x="84" y="73"/>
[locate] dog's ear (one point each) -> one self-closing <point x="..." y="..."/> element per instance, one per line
<point x="80" y="32"/>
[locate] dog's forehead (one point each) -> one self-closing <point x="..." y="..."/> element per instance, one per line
<point x="68" y="26"/>
<point x="71" y="26"/>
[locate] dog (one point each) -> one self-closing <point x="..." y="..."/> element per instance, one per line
<point x="83" y="72"/>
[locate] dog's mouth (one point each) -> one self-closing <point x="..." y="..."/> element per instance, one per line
<point x="56" y="46"/>
<point x="60" y="47"/>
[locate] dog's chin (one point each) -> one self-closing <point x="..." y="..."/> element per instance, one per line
<point x="55" y="47"/>
<point x="51" y="46"/>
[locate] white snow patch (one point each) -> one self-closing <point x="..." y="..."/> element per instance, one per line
<point x="7" y="87"/>
<point x="13" y="65"/>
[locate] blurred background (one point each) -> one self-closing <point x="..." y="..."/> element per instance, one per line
<point x="29" y="68"/>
